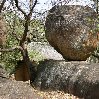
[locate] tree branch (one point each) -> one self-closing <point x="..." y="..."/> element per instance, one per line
<point x="11" y="49"/>
<point x="31" y="10"/>
<point x="17" y="5"/>
<point x="27" y="18"/>
<point x="97" y="56"/>
<point x="2" y="4"/>
<point x="27" y="24"/>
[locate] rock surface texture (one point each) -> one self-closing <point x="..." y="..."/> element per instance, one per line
<point x="46" y="51"/>
<point x="16" y="90"/>
<point x="71" y="30"/>
<point x="78" y="78"/>
<point x="3" y="31"/>
<point x="10" y="89"/>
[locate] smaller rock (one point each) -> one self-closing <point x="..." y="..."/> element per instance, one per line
<point x="45" y="51"/>
<point x="16" y="90"/>
<point x="11" y="89"/>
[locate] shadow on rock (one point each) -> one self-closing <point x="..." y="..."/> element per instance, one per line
<point x="77" y="78"/>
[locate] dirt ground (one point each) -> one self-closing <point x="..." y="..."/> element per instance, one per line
<point x="54" y="95"/>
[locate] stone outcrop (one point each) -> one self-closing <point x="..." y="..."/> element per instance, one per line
<point x="3" y="31"/>
<point x="10" y="89"/>
<point x="72" y="31"/>
<point x="78" y="78"/>
<point x="16" y="90"/>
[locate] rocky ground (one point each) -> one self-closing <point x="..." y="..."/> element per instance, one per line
<point x="11" y="89"/>
<point x="22" y="90"/>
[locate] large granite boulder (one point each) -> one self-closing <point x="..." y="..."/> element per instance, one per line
<point x="78" y="78"/>
<point x="72" y="31"/>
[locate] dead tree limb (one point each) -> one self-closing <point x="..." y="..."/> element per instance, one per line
<point x="19" y="8"/>
<point x="2" y="4"/>
<point x="31" y="10"/>
<point x="11" y="49"/>
<point x="24" y="52"/>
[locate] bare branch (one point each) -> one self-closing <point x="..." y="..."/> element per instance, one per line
<point x="27" y="18"/>
<point x="2" y="4"/>
<point x="97" y="56"/>
<point x="31" y="10"/>
<point x="17" y="5"/>
<point x="11" y="49"/>
<point x="31" y="3"/>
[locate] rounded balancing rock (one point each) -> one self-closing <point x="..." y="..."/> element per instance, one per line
<point x="72" y="31"/>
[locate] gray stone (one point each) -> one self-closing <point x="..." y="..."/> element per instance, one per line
<point x="72" y="31"/>
<point x="10" y="89"/>
<point x="45" y="50"/>
<point x="78" y="78"/>
<point x="16" y="90"/>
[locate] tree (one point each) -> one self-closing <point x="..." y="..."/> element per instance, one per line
<point x="22" y="47"/>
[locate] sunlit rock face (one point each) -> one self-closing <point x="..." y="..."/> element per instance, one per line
<point x="72" y="31"/>
<point x="3" y="31"/>
<point x="76" y="77"/>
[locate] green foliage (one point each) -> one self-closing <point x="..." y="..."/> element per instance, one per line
<point x="9" y="59"/>
<point x="15" y="26"/>
<point x="37" y="31"/>
<point x="35" y="55"/>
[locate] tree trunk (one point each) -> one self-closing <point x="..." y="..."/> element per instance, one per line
<point x="29" y="65"/>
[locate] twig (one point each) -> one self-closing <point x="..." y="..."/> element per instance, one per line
<point x="2" y="4"/>
<point x="11" y="49"/>
<point x="97" y="56"/>
<point x="31" y="10"/>
<point x="17" y="5"/>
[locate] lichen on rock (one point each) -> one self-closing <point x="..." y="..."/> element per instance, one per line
<point x="72" y="31"/>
